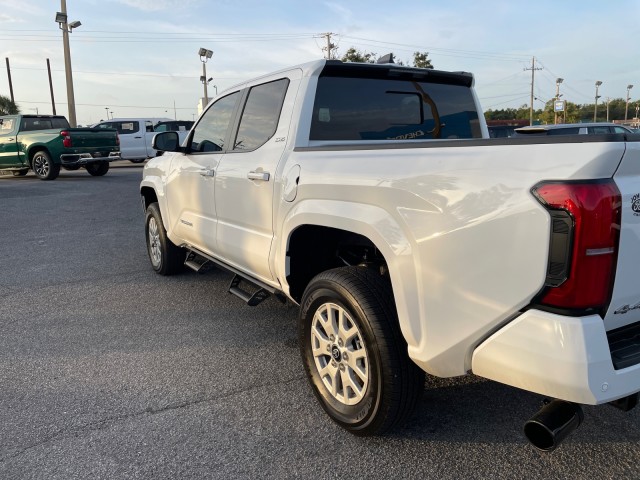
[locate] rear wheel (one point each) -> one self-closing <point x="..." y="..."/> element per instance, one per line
<point x="43" y="166"/>
<point x="166" y="258"/>
<point x="97" y="169"/>
<point x="354" y="353"/>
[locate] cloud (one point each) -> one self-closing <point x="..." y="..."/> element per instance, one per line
<point x="6" y="18"/>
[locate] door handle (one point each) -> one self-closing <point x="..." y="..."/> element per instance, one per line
<point x="137" y="137"/>
<point x="263" y="176"/>
<point x="207" y="172"/>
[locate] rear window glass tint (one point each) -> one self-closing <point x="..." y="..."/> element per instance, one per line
<point x="352" y="108"/>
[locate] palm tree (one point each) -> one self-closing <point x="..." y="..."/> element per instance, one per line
<point x="7" y="107"/>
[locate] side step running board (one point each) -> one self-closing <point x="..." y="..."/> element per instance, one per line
<point x="197" y="263"/>
<point x="201" y="262"/>
<point x="251" y="299"/>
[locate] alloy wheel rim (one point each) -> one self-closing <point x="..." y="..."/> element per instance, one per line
<point x="40" y="165"/>
<point x="154" y="243"/>
<point x="339" y="354"/>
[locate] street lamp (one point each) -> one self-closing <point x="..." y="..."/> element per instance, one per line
<point x="626" y="106"/>
<point x="595" y="110"/>
<point x="205" y="55"/>
<point x="107" y="109"/>
<point x="216" y="87"/>
<point x="558" y="82"/>
<point x="67" y="28"/>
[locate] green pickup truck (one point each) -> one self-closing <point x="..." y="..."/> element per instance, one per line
<point x="45" y="143"/>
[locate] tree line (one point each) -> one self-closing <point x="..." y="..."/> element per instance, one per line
<point x="575" y="113"/>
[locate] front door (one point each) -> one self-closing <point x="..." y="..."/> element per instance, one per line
<point x="246" y="175"/>
<point x="191" y="184"/>
<point x="9" y="155"/>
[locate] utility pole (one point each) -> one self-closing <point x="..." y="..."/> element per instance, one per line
<point x="595" y="109"/>
<point x="10" y="84"/>
<point x="626" y="105"/>
<point x="558" y="82"/>
<point x="66" y="28"/>
<point x="330" y="46"/>
<point x="53" y="102"/>
<point x="608" y="108"/>
<point x="533" y="71"/>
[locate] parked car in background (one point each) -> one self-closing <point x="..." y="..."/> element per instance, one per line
<point x="180" y="126"/>
<point x="599" y="128"/>
<point x="135" y="136"/>
<point x="501" y="131"/>
<point x="45" y="143"/>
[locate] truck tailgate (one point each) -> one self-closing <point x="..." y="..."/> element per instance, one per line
<point x="93" y="137"/>
<point x="624" y="308"/>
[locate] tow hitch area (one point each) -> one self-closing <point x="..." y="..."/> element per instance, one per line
<point x="626" y="403"/>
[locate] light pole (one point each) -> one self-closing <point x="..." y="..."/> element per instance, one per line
<point x="626" y="105"/>
<point x="558" y="82"/>
<point x="216" y="87"/>
<point x="107" y="109"/>
<point x="205" y="55"/>
<point x="61" y="19"/>
<point x="595" y="110"/>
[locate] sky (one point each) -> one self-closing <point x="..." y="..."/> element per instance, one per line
<point x="135" y="58"/>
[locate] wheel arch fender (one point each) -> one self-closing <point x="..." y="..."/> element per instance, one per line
<point x="381" y="229"/>
<point x="152" y="190"/>
<point x="40" y="147"/>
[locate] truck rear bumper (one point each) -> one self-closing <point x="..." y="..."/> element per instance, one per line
<point x="76" y="159"/>
<point x="558" y="356"/>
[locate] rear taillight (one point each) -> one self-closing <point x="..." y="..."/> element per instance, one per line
<point x="66" y="139"/>
<point x="585" y="229"/>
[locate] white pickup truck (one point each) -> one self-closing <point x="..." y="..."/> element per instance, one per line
<point x="371" y="196"/>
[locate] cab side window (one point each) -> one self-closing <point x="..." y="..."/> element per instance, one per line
<point x="6" y="126"/>
<point x="261" y="114"/>
<point x="211" y="132"/>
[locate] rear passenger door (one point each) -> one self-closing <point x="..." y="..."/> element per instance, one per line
<point x="246" y="176"/>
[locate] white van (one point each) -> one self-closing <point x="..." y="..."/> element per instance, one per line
<point x="135" y="136"/>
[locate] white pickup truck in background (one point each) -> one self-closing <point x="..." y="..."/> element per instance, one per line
<point x="136" y="135"/>
<point x="371" y="196"/>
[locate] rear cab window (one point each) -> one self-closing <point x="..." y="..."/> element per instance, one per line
<point x="359" y="103"/>
<point x="123" y="128"/>
<point x="39" y="123"/>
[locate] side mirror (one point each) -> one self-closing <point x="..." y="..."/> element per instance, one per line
<point x="166" y="141"/>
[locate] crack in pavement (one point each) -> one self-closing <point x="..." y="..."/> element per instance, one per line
<point x="99" y="424"/>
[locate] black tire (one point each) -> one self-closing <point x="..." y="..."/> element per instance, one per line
<point x="20" y="173"/>
<point x="393" y="384"/>
<point x="43" y="166"/>
<point x="97" y="169"/>
<point x="166" y="258"/>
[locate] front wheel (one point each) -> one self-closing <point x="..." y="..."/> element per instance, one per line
<point x="97" y="169"/>
<point x="166" y="258"/>
<point x="43" y="166"/>
<point x="353" y="351"/>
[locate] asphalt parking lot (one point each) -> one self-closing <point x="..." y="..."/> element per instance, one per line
<point x="108" y="370"/>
